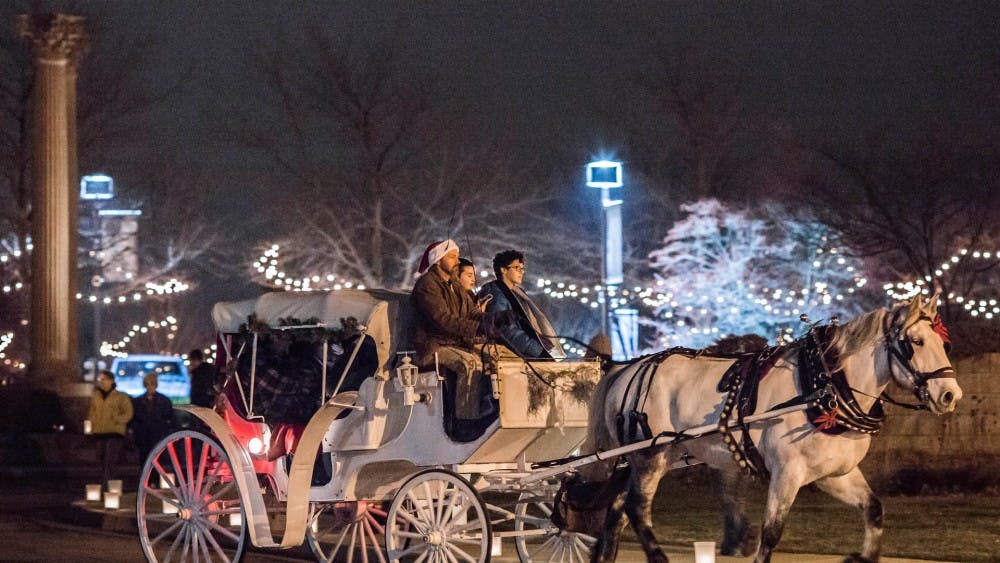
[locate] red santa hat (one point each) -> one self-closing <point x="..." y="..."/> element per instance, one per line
<point x="434" y="252"/>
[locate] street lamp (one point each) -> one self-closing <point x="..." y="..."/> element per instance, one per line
<point x="606" y="175"/>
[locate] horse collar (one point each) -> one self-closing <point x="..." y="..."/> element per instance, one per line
<point x="837" y="410"/>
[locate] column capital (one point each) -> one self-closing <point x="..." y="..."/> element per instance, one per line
<point x="54" y="37"/>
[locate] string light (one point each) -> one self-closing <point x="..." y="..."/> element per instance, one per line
<point x="903" y="290"/>
<point x="268" y="265"/>
<point x="5" y="340"/>
<point x="116" y="350"/>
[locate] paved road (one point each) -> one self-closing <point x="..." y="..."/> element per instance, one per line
<point x="37" y="525"/>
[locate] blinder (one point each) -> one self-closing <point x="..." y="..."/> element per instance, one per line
<point x="901" y="348"/>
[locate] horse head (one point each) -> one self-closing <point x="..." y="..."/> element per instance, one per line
<point x="917" y="345"/>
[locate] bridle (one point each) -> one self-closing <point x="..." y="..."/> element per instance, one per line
<point x="901" y="350"/>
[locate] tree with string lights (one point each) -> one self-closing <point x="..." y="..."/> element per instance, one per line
<point x="723" y="270"/>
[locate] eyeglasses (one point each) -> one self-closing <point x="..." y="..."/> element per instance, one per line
<point x="516" y="268"/>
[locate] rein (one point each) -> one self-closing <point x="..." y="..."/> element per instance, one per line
<point x="899" y="348"/>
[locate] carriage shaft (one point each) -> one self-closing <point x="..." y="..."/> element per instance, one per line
<point x="689" y="434"/>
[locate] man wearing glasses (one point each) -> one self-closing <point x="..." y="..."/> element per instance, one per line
<point x="526" y="331"/>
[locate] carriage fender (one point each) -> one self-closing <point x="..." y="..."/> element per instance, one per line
<point x="244" y="474"/>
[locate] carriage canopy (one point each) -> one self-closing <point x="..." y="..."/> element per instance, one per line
<point x="386" y="315"/>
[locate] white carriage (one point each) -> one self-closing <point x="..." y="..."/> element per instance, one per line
<point x="374" y="474"/>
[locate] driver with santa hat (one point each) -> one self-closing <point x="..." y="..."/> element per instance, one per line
<point x="447" y="329"/>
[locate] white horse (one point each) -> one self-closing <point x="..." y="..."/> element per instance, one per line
<point x="676" y="391"/>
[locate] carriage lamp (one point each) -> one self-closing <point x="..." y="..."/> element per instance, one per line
<point x="406" y="378"/>
<point x="704" y="552"/>
<point x="407" y="372"/>
<point x="115" y="486"/>
<point x="255" y="446"/>
<point x="112" y="500"/>
<point x="94" y="493"/>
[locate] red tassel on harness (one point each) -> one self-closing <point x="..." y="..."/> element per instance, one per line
<point x="825" y="421"/>
<point x="939" y="328"/>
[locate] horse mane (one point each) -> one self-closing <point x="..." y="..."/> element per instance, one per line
<point x="861" y="331"/>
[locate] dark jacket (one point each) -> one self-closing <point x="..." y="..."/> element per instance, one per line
<point x="442" y="319"/>
<point x="154" y="416"/>
<point x="516" y="329"/>
<point x="203" y="385"/>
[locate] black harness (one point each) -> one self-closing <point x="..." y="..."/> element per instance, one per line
<point x="900" y="349"/>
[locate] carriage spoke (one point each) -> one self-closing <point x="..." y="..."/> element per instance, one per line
<point x="461" y="552"/>
<point x="173" y="487"/>
<point x="374" y="524"/>
<point x="223" y="531"/>
<point x="178" y="469"/>
<point x="371" y="535"/>
<point x="448" y="511"/>
<point x="544" y="508"/>
<point x="218" y="549"/>
<point x="419" y="508"/>
<point x="417" y="524"/>
<point x="433" y="507"/>
<point x="419" y="559"/>
<point x="190" y="465"/>
<point x="167" y="532"/>
<point x="340" y="542"/>
<point x="173" y="546"/>
<point x="350" y="549"/>
<point x="229" y="486"/>
<point x="419" y="548"/>
<point x="201" y="468"/>
<point x="450" y="555"/>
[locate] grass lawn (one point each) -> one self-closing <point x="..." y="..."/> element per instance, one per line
<point x="939" y="528"/>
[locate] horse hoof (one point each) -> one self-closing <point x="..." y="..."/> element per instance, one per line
<point x="748" y="546"/>
<point x="857" y="558"/>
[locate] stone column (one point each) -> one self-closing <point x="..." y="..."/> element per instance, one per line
<point x="57" y="41"/>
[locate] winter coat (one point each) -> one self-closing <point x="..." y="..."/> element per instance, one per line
<point x="203" y="385"/>
<point x="442" y="320"/>
<point x="109" y="415"/>
<point x="517" y="330"/>
<point x="154" y="417"/>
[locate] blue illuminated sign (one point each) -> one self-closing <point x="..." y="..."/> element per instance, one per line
<point x="97" y="186"/>
<point x="604" y="174"/>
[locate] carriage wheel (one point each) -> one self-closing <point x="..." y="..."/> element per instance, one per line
<point x="345" y="530"/>
<point x="437" y="516"/>
<point x="540" y="540"/>
<point x="197" y="515"/>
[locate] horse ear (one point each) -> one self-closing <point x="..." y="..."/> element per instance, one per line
<point x="916" y="304"/>
<point x="933" y="304"/>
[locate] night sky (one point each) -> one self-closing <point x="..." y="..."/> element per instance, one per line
<point x="555" y="74"/>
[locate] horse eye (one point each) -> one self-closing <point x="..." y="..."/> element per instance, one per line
<point x="918" y="341"/>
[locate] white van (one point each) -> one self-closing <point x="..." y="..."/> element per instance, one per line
<point x="173" y="378"/>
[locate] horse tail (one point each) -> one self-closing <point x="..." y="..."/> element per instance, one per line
<point x="599" y="436"/>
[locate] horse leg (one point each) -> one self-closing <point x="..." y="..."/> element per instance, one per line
<point x="853" y="489"/>
<point x="646" y="476"/>
<point x="739" y="537"/>
<point x="606" y="548"/>
<point x="780" y="496"/>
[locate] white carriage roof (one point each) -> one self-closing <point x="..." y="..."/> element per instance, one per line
<point x="386" y="314"/>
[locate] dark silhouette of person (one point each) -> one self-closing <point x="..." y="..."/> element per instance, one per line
<point x="202" y="380"/>
<point x="153" y="418"/>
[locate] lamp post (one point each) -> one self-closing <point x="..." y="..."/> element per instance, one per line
<point x="606" y="176"/>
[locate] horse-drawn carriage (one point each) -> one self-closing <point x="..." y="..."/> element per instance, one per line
<point x="378" y="470"/>
<point x="375" y="466"/>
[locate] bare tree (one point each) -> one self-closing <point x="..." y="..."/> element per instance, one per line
<point x="915" y="210"/>
<point x="377" y="171"/>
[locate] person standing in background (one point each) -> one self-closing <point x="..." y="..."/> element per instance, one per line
<point x="110" y="411"/>
<point x="154" y="417"/>
<point x="202" y="380"/>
